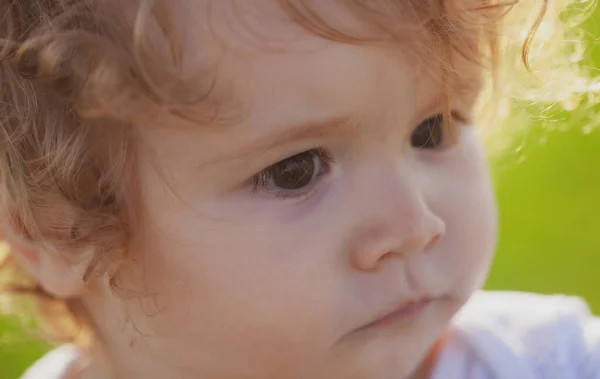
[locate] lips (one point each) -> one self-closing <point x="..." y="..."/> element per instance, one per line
<point x="406" y="312"/>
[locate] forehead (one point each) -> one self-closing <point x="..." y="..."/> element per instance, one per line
<point x="244" y="54"/>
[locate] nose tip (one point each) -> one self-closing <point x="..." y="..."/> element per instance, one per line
<point x="400" y="241"/>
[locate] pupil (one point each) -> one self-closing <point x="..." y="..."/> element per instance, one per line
<point x="295" y="172"/>
<point x="429" y="134"/>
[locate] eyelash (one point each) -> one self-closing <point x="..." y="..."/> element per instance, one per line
<point x="263" y="181"/>
<point x="319" y="163"/>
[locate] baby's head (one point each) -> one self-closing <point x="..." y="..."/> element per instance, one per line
<point x="250" y="189"/>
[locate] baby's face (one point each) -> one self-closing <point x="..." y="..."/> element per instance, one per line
<point x="275" y="243"/>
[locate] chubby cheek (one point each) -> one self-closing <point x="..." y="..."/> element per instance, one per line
<point x="254" y="293"/>
<point x="474" y="240"/>
<point x="470" y="211"/>
<point x="459" y="191"/>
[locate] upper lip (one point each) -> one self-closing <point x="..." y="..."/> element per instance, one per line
<point x="404" y="306"/>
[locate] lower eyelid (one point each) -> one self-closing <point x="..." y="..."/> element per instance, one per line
<point x="302" y="196"/>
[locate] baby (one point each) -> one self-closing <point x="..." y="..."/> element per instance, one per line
<point x="264" y="189"/>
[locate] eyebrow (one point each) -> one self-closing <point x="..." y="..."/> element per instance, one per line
<point x="287" y="133"/>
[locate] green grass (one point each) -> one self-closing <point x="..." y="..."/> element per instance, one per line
<point x="17" y="348"/>
<point x="549" y="205"/>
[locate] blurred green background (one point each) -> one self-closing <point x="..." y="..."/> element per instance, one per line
<point x="549" y="200"/>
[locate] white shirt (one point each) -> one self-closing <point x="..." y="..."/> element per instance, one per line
<point x="497" y="335"/>
<point x="509" y="335"/>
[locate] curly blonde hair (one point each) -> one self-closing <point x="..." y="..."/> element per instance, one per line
<point x="75" y="76"/>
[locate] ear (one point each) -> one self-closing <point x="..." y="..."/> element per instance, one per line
<point x="57" y="275"/>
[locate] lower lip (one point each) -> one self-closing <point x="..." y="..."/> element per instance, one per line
<point x="403" y="315"/>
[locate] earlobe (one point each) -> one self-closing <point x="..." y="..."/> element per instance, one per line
<point x="26" y="257"/>
<point x="29" y="255"/>
<point x="56" y="274"/>
<point x="59" y="276"/>
<point x="14" y="233"/>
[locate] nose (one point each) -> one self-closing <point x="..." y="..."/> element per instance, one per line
<point x="394" y="222"/>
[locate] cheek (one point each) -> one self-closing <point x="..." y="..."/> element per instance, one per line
<point x="251" y="291"/>
<point x="463" y="197"/>
<point x="474" y="219"/>
<point x="473" y="236"/>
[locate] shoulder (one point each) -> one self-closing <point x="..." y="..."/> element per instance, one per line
<point x="57" y="364"/>
<point x="546" y="336"/>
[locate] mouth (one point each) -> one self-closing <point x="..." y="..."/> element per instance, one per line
<point x="406" y="313"/>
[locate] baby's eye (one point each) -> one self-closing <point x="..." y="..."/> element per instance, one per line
<point x="293" y="174"/>
<point x="429" y="134"/>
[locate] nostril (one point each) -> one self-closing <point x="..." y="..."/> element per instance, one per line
<point x="433" y="241"/>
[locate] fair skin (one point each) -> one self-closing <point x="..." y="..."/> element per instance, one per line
<point x="286" y="282"/>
